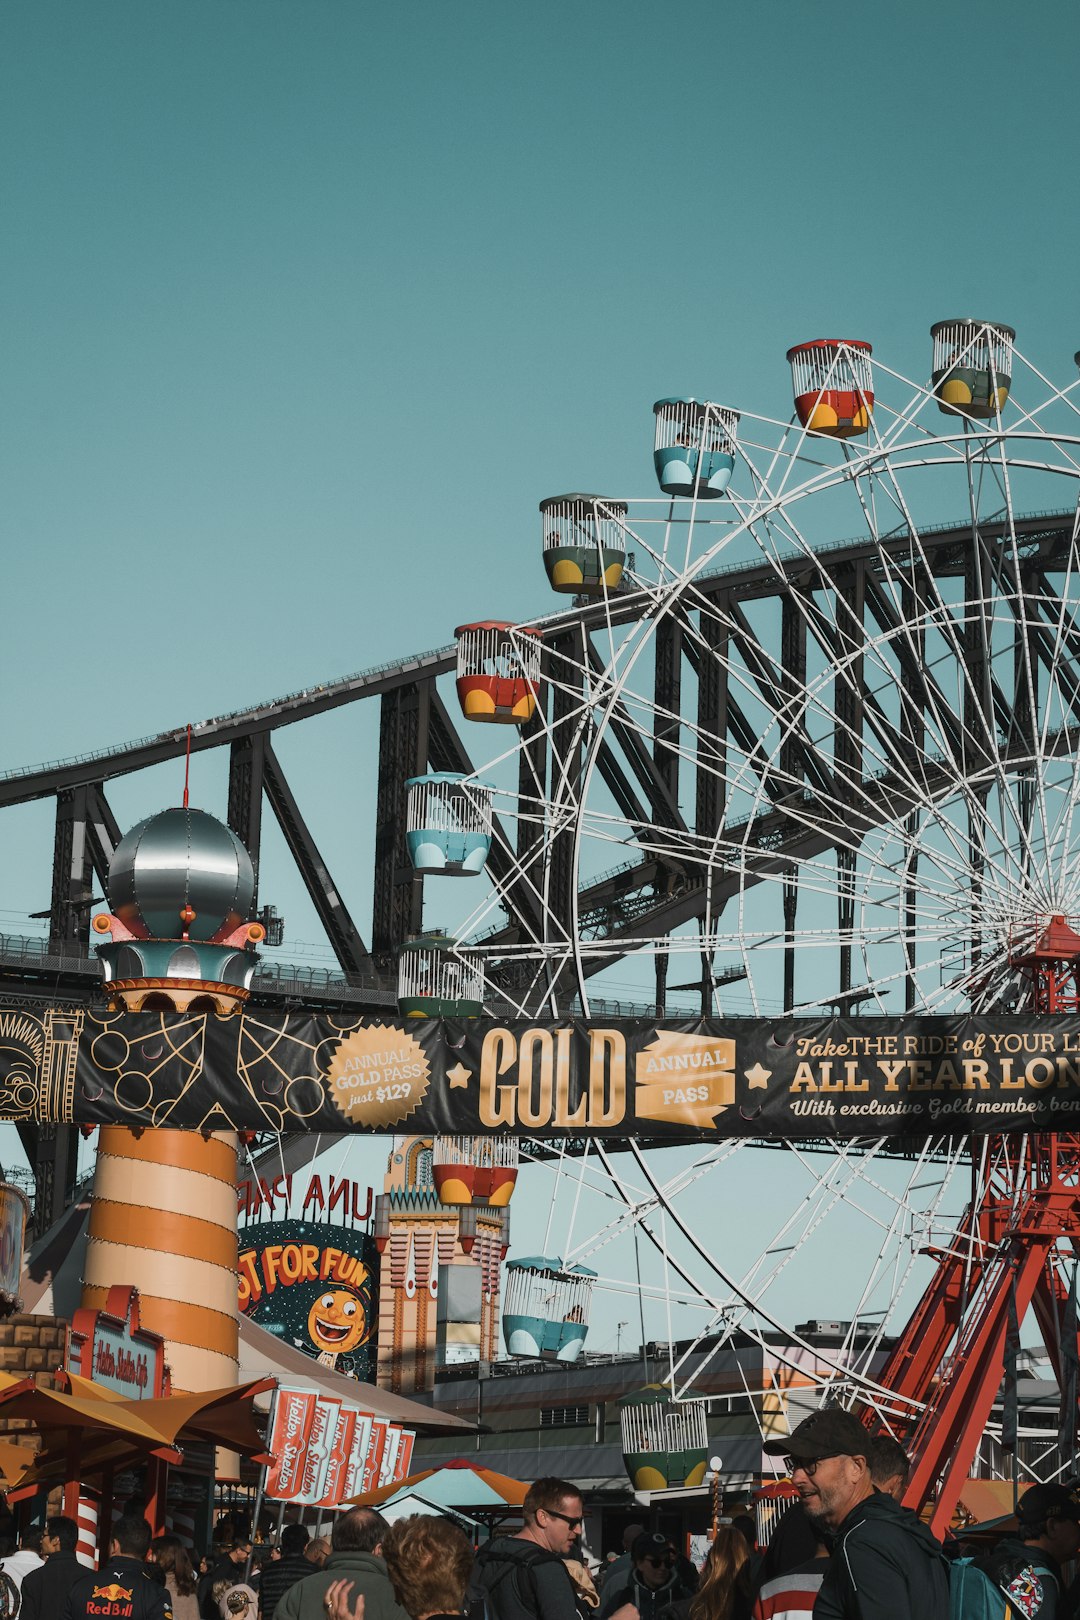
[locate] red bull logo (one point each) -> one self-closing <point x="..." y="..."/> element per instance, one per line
<point x="113" y="1599"/>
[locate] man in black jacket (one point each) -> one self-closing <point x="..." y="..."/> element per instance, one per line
<point x="45" y="1590"/>
<point x="125" y="1586"/>
<point x="885" y="1562"/>
<point x="278" y="1574"/>
<point x="524" y="1577"/>
<point x="655" y="1581"/>
<point x="229" y="1567"/>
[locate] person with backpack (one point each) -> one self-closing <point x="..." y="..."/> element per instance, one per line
<point x="524" y="1577"/>
<point x="885" y="1562"/>
<point x="1025" y="1568"/>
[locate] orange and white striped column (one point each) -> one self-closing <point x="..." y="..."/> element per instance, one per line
<point x="163" y="1220"/>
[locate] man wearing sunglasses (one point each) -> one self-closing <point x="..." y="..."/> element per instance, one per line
<point x="654" y="1583"/>
<point x="885" y="1563"/>
<point x="524" y="1577"/>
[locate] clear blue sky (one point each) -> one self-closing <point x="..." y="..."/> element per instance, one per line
<point x="306" y="306"/>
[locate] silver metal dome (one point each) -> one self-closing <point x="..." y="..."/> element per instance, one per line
<point x="177" y="859"/>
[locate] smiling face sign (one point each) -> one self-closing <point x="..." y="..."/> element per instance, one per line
<point x="313" y="1287"/>
<point x="337" y="1322"/>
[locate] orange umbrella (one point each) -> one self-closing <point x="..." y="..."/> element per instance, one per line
<point x="512" y="1491"/>
<point x="221" y="1416"/>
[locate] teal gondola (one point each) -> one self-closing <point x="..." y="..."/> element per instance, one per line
<point x="972" y="367"/>
<point x="694" y="447"/>
<point x="546" y="1308"/>
<point x="437" y="980"/>
<point x="448" y="824"/>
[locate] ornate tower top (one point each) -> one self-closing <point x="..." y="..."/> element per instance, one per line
<point x="175" y="863"/>
<point x="180" y="884"/>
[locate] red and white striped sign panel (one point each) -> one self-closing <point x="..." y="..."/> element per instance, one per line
<point x="337" y="1468"/>
<point x="319" y="1447"/>
<point x="373" y="1460"/>
<point x="290" y="1425"/>
<point x="354" y="1474"/>
<point x="388" y="1466"/>
<point x="404" y="1461"/>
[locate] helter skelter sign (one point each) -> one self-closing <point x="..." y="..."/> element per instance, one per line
<point x="675" y="1080"/>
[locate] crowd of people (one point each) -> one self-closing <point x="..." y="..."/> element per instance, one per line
<point x="846" y="1549"/>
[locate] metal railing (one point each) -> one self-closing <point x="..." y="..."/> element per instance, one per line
<point x="259" y="711"/>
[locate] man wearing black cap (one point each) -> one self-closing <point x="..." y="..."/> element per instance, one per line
<point x="1027" y="1567"/>
<point x="885" y="1563"/>
<point x="654" y="1581"/>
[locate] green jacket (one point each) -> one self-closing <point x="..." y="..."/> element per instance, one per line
<point x="307" y="1599"/>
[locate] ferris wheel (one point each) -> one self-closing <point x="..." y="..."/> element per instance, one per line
<point x="806" y="740"/>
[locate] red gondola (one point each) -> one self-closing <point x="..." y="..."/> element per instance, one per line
<point x="498" y="671"/>
<point x="833" y="386"/>
<point x="475" y="1169"/>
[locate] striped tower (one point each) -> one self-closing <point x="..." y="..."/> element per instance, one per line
<point x="163" y="1220"/>
<point x="86" y="1517"/>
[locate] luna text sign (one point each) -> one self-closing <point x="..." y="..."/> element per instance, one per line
<point x="676" y="1080"/>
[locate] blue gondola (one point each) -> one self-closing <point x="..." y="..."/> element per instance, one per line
<point x="694" y="440"/>
<point x="448" y="824"/>
<point x="546" y="1308"/>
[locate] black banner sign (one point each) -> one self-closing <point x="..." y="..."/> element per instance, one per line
<point x="673" y="1081"/>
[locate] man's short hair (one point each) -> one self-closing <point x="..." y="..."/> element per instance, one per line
<point x="630" y="1535"/>
<point x="63" y="1530"/>
<point x="359" y="1530"/>
<point x="429" y="1561"/>
<point x="132" y="1536"/>
<point x="294" y="1538"/>
<point x="887" y="1459"/>
<point x="746" y="1525"/>
<point x="548" y="1494"/>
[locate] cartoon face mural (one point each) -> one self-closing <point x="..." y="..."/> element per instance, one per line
<point x="337" y="1321"/>
<point x="313" y="1286"/>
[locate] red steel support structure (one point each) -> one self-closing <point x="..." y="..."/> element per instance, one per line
<point x="1012" y="1248"/>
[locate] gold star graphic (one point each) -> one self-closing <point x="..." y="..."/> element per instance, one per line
<point x="758" y="1077"/>
<point x="458" y="1076"/>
